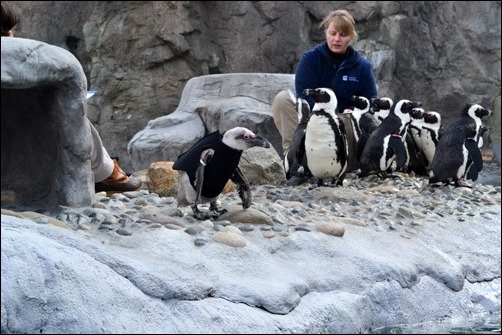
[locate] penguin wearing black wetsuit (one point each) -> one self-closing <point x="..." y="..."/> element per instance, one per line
<point x="207" y="166"/>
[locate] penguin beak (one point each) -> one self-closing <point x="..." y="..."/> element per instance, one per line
<point x="416" y="113"/>
<point x="373" y="105"/>
<point x="259" y="141"/>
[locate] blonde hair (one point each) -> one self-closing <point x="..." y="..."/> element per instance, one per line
<point x="343" y="21"/>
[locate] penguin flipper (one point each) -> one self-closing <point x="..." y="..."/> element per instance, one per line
<point x="472" y="174"/>
<point x="360" y="145"/>
<point x="397" y="145"/>
<point x="473" y="149"/>
<point x="205" y="157"/>
<point x="301" y="156"/>
<point x="243" y="187"/>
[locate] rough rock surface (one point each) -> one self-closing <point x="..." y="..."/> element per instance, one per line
<point x="46" y="138"/>
<point x="210" y="103"/>
<point x="139" y="55"/>
<point x="349" y="259"/>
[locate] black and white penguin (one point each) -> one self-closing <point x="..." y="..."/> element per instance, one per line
<point x="473" y="172"/>
<point x="295" y="159"/>
<point x="415" y="161"/>
<point x="325" y="139"/>
<point x="207" y="166"/>
<point x="429" y="135"/>
<point x="386" y="143"/>
<point x="381" y="108"/>
<point x="363" y="122"/>
<point x="458" y="148"/>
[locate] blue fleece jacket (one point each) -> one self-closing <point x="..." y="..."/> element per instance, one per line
<point x="354" y="75"/>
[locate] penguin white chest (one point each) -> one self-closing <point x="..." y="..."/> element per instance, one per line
<point x="387" y="157"/>
<point x="428" y="146"/>
<point x="321" y="147"/>
<point x="463" y="167"/>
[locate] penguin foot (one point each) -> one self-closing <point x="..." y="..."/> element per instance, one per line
<point x="317" y="184"/>
<point x="216" y="210"/>
<point x="320" y="182"/>
<point x="337" y="181"/>
<point x="213" y="213"/>
<point x="385" y="175"/>
<point x="462" y="183"/>
<point x="216" y="214"/>
<point x="382" y="175"/>
<point x="202" y="215"/>
<point x="298" y="180"/>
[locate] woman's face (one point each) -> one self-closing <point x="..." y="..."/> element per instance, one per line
<point x="337" y="41"/>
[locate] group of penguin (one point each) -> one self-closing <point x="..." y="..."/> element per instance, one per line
<point x="387" y="137"/>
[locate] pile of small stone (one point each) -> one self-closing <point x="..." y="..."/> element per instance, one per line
<point x="400" y="204"/>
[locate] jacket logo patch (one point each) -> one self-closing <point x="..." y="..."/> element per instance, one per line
<point x="350" y="78"/>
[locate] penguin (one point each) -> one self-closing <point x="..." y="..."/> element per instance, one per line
<point x="295" y="159"/>
<point x="207" y="166"/>
<point x="362" y="121"/>
<point x="415" y="161"/>
<point x="458" y="148"/>
<point x="381" y="108"/>
<point x="386" y="143"/>
<point x="432" y="130"/>
<point x="472" y="171"/>
<point x="455" y="149"/>
<point x="325" y="139"/>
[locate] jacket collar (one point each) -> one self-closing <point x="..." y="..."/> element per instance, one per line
<point x="351" y="58"/>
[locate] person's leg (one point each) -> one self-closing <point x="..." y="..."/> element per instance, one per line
<point x="101" y="163"/>
<point x="108" y="175"/>
<point x="285" y="116"/>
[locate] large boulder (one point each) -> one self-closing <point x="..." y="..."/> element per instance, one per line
<point x="210" y="103"/>
<point x="46" y="138"/>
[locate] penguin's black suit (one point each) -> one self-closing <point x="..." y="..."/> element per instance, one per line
<point x="207" y="166"/>
<point x="458" y="148"/>
<point x="295" y="159"/>
<point x="386" y="143"/>
<point x="325" y="138"/>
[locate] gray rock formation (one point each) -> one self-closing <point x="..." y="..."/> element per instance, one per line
<point x="58" y="280"/>
<point x="46" y="139"/>
<point x="139" y="55"/>
<point x="210" y="103"/>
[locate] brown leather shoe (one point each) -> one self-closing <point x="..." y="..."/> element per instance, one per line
<point x="118" y="181"/>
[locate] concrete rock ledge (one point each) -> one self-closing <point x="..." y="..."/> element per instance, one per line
<point x="157" y="280"/>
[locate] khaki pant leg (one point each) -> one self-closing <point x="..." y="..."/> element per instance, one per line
<point x="285" y="117"/>
<point x="101" y="163"/>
